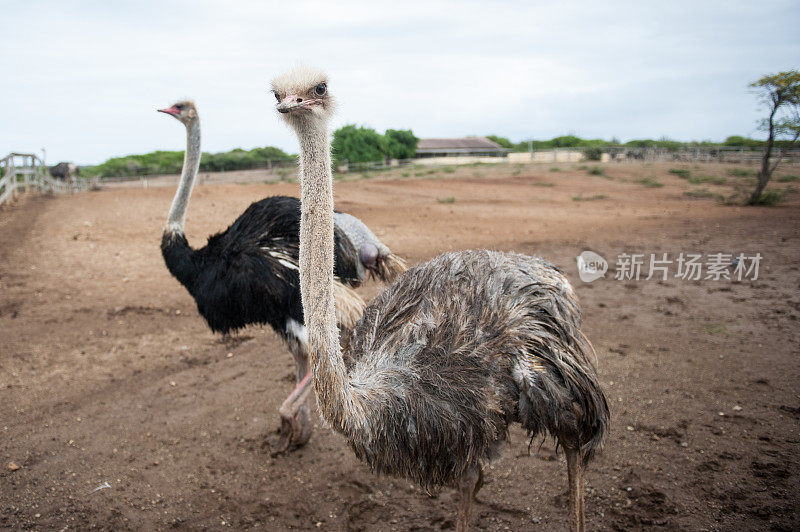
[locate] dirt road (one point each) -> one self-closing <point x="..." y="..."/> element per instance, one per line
<point x="122" y="411"/>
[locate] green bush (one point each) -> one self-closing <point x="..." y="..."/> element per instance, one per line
<point x="744" y="142"/>
<point x="593" y="153"/>
<point x="596" y="170"/>
<point x="171" y="162"/>
<point x="401" y="143"/>
<point x="787" y="179"/>
<point x="362" y="144"/>
<point x="771" y="197"/>
<point x="358" y="145"/>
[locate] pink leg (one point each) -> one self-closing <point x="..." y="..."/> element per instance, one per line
<point x="295" y="428"/>
<point x="575" y="476"/>
<point x="300" y="389"/>
<point x="468" y="486"/>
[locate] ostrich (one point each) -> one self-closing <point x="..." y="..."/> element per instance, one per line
<point x="249" y="272"/>
<point x="447" y="357"/>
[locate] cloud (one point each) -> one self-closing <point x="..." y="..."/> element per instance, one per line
<point x="85" y="78"/>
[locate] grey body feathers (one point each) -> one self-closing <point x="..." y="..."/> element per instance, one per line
<point x="456" y="350"/>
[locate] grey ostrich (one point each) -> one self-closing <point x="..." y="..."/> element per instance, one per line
<point x="447" y="357"/>
<point x="249" y="272"/>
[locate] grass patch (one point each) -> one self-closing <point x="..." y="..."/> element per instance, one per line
<point x="596" y="170"/>
<point x="771" y="197"/>
<point x="649" y="182"/>
<point x="419" y="174"/>
<point x="589" y="198"/>
<point x="431" y="171"/>
<point x="450" y="199"/>
<point x="582" y="167"/>
<point x="707" y="179"/>
<point x="714" y="328"/>
<point x="680" y="172"/>
<point x="544" y="184"/>
<point x="699" y="193"/>
<point x="555" y="169"/>
<point x="405" y="174"/>
<point x="787" y="179"/>
<point x="741" y="172"/>
<point x="447" y="169"/>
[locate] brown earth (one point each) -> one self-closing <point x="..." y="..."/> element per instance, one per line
<point x="108" y="374"/>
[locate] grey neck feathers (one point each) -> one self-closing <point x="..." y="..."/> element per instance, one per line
<point x="339" y="404"/>
<point x="191" y="162"/>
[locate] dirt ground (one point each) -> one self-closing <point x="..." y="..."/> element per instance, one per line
<point x="121" y="410"/>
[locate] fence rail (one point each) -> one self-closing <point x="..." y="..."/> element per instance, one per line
<point x="26" y="172"/>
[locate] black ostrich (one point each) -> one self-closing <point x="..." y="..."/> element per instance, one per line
<point x="249" y="274"/>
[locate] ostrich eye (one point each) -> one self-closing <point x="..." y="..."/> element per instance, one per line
<point x="277" y="96"/>
<point x="320" y="89"/>
<point x="179" y="107"/>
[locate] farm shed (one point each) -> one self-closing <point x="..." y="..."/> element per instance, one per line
<point x="464" y="146"/>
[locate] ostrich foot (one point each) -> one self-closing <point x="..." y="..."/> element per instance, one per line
<point x="293" y="433"/>
<point x="295" y="428"/>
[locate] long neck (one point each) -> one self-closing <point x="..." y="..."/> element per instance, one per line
<point x="336" y="398"/>
<point x="191" y="162"/>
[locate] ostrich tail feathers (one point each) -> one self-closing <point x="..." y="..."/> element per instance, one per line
<point x="349" y="305"/>
<point x="390" y="268"/>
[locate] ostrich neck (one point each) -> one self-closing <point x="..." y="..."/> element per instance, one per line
<point x="191" y="162"/>
<point x="337" y="399"/>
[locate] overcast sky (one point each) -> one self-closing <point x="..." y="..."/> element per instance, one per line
<point x="83" y="79"/>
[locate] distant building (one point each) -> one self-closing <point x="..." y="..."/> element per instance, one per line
<point x="475" y="146"/>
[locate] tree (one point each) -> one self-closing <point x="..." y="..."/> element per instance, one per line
<point x="502" y="141"/>
<point x="401" y="143"/>
<point x="781" y="93"/>
<point x="743" y="142"/>
<point x="567" y="141"/>
<point x="358" y="144"/>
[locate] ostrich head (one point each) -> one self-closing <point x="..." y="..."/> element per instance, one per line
<point x="303" y="97"/>
<point x="184" y="111"/>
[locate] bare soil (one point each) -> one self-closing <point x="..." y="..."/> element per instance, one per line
<point x="121" y="410"/>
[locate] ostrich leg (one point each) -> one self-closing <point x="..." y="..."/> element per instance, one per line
<point x="295" y="428"/>
<point x="575" y="475"/>
<point x="468" y="486"/>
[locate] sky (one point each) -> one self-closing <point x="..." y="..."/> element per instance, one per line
<point x="83" y="78"/>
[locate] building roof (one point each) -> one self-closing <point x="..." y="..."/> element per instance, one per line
<point x="465" y="145"/>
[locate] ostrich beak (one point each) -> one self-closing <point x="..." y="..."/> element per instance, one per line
<point x="293" y="102"/>
<point x="170" y="111"/>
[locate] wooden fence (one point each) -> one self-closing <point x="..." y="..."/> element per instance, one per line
<point x="24" y="172"/>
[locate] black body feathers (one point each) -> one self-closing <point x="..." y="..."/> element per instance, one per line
<point x="248" y="273"/>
